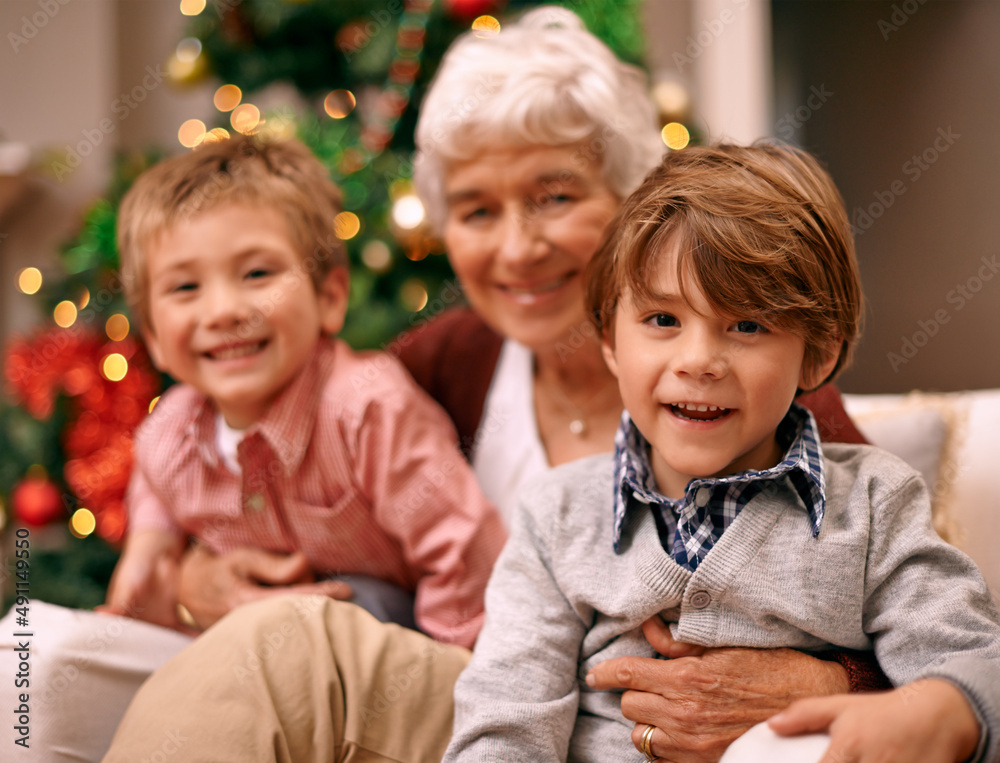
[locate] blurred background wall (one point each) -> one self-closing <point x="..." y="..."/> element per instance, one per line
<point x="899" y="98"/>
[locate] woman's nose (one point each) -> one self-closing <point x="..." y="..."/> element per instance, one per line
<point x="520" y="238"/>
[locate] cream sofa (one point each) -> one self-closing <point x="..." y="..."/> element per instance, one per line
<point x="954" y="440"/>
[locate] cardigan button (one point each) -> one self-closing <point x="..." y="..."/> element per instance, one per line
<point x="255" y="502"/>
<point x="701" y="599"/>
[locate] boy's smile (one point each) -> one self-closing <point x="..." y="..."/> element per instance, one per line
<point x="706" y="390"/>
<point x="233" y="312"/>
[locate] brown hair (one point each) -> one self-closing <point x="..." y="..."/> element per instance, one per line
<point x="762" y="229"/>
<point x="282" y="174"/>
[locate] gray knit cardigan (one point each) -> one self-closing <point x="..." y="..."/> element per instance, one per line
<point x="561" y="600"/>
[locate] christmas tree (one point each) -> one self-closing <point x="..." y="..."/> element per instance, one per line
<point x="83" y="383"/>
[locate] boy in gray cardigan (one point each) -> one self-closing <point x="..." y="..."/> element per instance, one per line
<point x="728" y="286"/>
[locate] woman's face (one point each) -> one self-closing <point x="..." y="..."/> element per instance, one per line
<point x="522" y="224"/>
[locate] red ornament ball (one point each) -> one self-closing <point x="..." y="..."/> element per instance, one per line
<point x="470" y="9"/>
<point x="36" y="501"/>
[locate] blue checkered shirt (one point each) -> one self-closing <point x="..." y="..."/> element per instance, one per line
<point x="690" y="526"/>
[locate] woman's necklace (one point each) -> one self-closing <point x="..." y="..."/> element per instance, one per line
<point x="577" y="418"/>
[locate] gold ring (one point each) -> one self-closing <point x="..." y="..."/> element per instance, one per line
<point x="185" y="617"/>
<point x="644" y="744"/>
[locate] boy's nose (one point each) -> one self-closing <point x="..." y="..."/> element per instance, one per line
<point x="226" y="306"/>
<point x="701" y="357"/>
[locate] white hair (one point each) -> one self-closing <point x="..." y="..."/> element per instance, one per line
<point x="547" y="81"/>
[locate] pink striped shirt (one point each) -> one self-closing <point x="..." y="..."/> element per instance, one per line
<point x="354" y="465"/>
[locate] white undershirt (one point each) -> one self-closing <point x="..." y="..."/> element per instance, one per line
<point x="508" y="450"/>
<point x="227" y="440"/>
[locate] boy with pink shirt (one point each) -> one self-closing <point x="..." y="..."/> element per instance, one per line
<point x="280" y="437"/>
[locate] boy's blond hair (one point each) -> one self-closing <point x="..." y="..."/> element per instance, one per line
<point x="763" y="231"/>
<point x="282" y="175"/>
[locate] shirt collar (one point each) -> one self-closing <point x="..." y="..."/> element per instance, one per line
<point x="802" y="464"/>
<point x="287" y="426"/>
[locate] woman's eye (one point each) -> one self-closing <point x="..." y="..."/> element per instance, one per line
<point x="663" y="320"/>
<point x="475" y="215"/>
<point x="258" y="273"/>
<point x="555" y="198"/>
<point x="182" y="287"/>
<point x="750" y="327"/>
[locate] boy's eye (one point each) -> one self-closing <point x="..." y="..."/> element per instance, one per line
<point x="663" y="320"/>
<point x="258" y="273"/>
<point x="750" y="327"/>
<point x="186" y="286"/>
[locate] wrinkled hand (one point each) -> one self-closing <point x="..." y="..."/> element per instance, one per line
<point x="924" y="722"/>
<point x="701" y="699"/>
<point x="213" y="585"/>
<point x="145" y="591"/>
<point x="144" y="583"/>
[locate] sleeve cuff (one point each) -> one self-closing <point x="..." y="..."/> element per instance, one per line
<point x="863" y="671"/>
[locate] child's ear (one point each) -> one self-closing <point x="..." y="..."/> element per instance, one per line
<point x="153" y="347"/>
<point x="813" y="377"/>
<point x="334" y="290"/>
<point x="608" y="351"/>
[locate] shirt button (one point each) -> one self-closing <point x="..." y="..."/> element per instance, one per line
<point x="702" y="496"/>
<point x="255" y="502"/>
<point x="701" y="599"/>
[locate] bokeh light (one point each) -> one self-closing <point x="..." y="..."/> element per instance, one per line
<point x="278" y="126"/>
<point x="116" y="327"/>
<point x="339" y="103"/>
<point x="82" y="523"/>
<point x="245" y="118"/>
<point x="114" y="367"/>
<point x="191" y="133"/>
<point x="29" y="280"/>
<point x="153" y="402"/>
<point x="192" y="7"/>
<point x="408" y="212"/>
<point x="84" y="298"/>
<point x="413" y="294"/>
<point x="377" y="256"/>
<point x="671" y="97"/>
<point x="485" y="26"/>
<point x="64" y="314"/>
<point x="188" y="50"/>
<point x="227" y="97"/>
<point x="216" y="134"/>
<point x="346" y="225"/>
<point x="675" y="135"/>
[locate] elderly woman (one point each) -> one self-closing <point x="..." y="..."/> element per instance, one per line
<point x="527" y="144"/>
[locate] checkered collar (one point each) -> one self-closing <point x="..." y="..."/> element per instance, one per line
<point x="802" y="464"/>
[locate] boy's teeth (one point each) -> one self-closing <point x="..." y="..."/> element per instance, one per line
<point x="237" y="352"/>
<point x="694" y="412"/>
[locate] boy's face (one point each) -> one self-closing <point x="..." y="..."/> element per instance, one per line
<point x="233" y="312"/>
<point x="671" y="355"/>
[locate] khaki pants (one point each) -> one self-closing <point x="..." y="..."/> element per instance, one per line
<point x="296" y="679"/>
